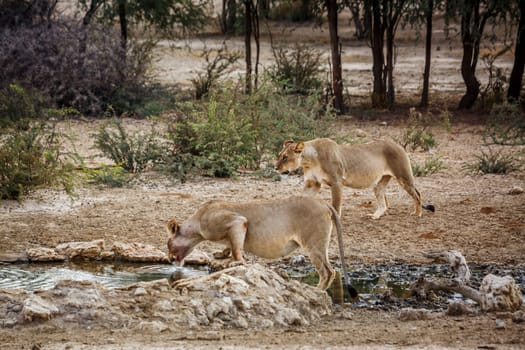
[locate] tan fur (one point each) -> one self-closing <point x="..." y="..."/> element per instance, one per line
<point x="268" y="229"/>
<point x="355" y="166"/>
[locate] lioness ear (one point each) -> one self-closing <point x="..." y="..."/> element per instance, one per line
<point x="299" y="147"/>
<point x="172" y="227"/>
<point x="287" y="142"/>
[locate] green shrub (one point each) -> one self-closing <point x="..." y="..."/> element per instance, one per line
<point x="417" y="134"/>
<point x="111" y="176"/>
<point x="297" y="70"/>
<point x="506" y="125"/>
<point x="216" y="138"/>
<point x="430" y="166"/>
<point x="132" y="152"/>
<point x="17" y="106"/>
<point x="218" y="63"/>
<point x="233" y="130"/>
<point x="493" y="162"/>
<point x="294" y="10"/>
<point x="31" y="158"/>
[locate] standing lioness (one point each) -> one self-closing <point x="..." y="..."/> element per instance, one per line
<point x="355" y="166"/>
<point x="268" y="229"/>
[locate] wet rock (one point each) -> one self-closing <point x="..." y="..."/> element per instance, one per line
<point x="43" y="254"/>
<point x="85" y="250"/>
<point x="13" y="257"/>
<point x="37" y="308"/>
<point x="500" y="294"/>
<point x="243" y="297"/>
<point x="297" y="260"/>
<point x="138" y="252"/>
<point x="197" y="258"/>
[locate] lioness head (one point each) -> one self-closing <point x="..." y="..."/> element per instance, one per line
<point x="177" y="247"/>
<point x="290" y="156"/>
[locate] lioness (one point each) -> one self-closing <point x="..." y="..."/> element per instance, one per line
<point x="355" y="166"/>
<point x="268" y="229"/>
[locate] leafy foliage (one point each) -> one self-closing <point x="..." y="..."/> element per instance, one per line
<point x="132" y="152"/>
<point x="232" y="130"/>
<point x="111" y="176"/>
<point x="214" y="69"/>
<point x="494" y="162"/>
<point x="417" y="133"/>
<point x="164" y="16"/>
<point x="506" y="125"/>
<point x="17" y="106"/>
<point x="31" y="158"/>
<point x="297" y="70"/>
<point x="430" y="166"/>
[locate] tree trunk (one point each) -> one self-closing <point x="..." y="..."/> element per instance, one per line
<point x="123" y="24"/>
<point x="469" y="23"/>
<point x="516" y="76"/>
<point x="360" y="31"/>
<point x="257" y="37"/>
<point x="337" y="75"/>
<point x="228" y="16"/>
<point x="263" y="8"/>
<point x="390" y="96"/>
<point x="82" y="41"/>
<point x="428" y="53"/>
<point x="376" y="42"/>
<point x="248" y="44"/>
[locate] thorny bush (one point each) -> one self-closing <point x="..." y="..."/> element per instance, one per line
<point x="72" y="65"/>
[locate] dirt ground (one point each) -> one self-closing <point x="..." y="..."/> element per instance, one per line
<point x="475" y="214"/>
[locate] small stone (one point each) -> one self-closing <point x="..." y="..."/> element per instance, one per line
<point x="140" y="291"/>
<point x="516" y="190"/>
<point x="298" y="259"/>
<point x="500" y="324"/>
<point x="518" y="316"/>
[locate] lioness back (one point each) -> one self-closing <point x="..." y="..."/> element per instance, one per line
<point x="284" y="223"/>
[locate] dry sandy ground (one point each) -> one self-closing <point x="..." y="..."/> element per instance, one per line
<point x="475" y="215"/>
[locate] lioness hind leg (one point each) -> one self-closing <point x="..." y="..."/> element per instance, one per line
<point x="380" y="193"/>
<point x="324" y="269"/>
<point x="409" y="187"/>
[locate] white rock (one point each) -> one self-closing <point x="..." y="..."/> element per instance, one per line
<point x="500" y="294"/>
<point x="37" y="308"/>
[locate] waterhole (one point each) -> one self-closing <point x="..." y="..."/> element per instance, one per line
<point x="376" y="284"/>
<point x="112" y="275"/>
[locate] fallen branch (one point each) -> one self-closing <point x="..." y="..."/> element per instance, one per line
<point x="495" y="294"/>
<point x="458" y="264"/>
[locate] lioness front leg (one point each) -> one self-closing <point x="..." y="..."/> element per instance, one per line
<point x="236" y="235"/>
<point x="337" y="196"/>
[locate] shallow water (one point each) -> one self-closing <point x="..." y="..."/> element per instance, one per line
<point x="45" y="276"/>
<point x="375" y="283"/>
